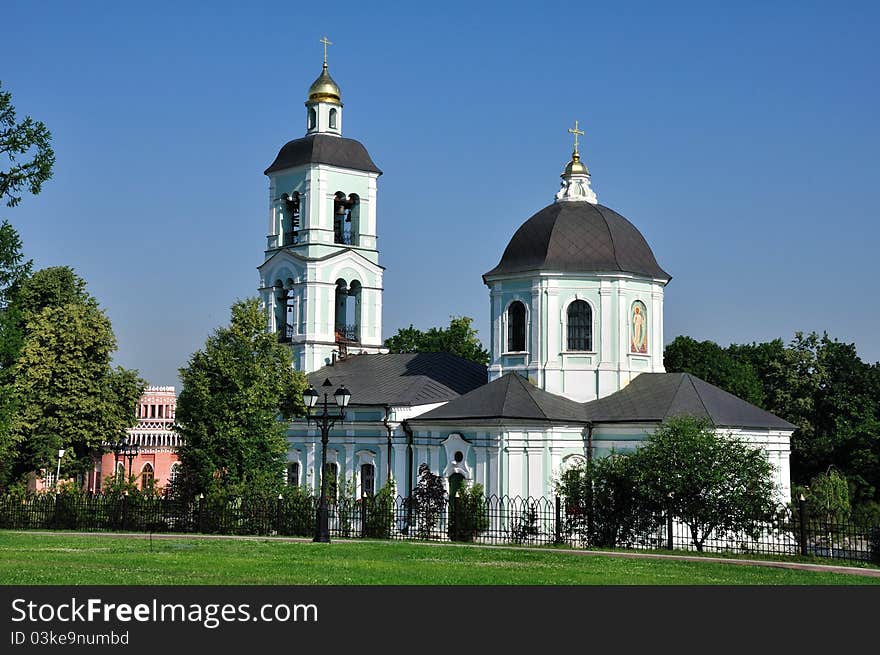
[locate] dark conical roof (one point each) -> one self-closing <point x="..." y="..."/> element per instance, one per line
<point x="402" y="379"/>
<point x="578" y="237"/>
<point x="510" y="397"/>
<point x="658" y="396"/>
<point x="324" y="149"/>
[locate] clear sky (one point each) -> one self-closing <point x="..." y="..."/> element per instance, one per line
<point x="741" y="139"/>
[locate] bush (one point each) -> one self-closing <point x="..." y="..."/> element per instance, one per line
<point x="380" y="511"/>
<point x="470" y="517"/>
<point x="427" y="503"/>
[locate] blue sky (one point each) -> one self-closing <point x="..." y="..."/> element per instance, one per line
<point x="740" y="138"/>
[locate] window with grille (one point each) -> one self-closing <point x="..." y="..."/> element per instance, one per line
<point x="368" y="479"/>
<point x="146" y="476"/>
<point x="516" y="327"/>
<point x="580" y="326"/>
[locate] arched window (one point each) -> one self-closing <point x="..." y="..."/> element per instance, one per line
<point x="346" y="218"/>
<point x="293" y="474"/>
<point x="146" y="475"/>
<point x="332" y="119"/>
<point x="174" y="473"/>
<point x="580" y="326"/>
<point x="120" y="471"/>
<point x="313" y="118"/>
<point x="348" y="311"/>
<point x="516" y="327"/>
<point x="368" y="479"/>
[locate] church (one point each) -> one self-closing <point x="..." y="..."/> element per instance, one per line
<point x="576" y="342"/>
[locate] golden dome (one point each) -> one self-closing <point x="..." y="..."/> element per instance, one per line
<point x="575" y="166"/>
<point x="324" y="89"/>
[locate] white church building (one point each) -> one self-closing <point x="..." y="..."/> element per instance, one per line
<point x="576" y="346"/>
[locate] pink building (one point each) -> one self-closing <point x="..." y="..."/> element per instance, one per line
<point x="157" y="443"/>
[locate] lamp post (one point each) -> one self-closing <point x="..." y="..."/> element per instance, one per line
<point x="125" y="450"/>
<point x="324" y="421"/>
<point x="61" y="452"/>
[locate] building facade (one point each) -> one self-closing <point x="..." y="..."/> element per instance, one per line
<point x="576" y="344"/>
<point x="156" y="460"/>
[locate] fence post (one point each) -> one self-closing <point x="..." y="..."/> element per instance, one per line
<point x="558" y="539"/>
<point x="124" y="509"/>
<point x="453" y="523"/>
<point x="802" y="512"/>
<point x="278" y="517"/>
<point x="669" y="541"/>
<point x="364" y="511"/>
<point x="202" y="513"/>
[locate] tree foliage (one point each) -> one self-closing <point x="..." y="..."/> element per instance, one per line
<point x="818" y="384"/>
<point x="68" y="394"/>
<point x="26" y="155"/>
<point x="428" y="501"/>
<point x="710" y="482"/>
<point x="601" y="505"/>
<point x="460" y="338"/>
<point x="827" y="497"/>
<point x="712" y="363"/>
<point x="13" y="267"/>
<point x="235" y="390"/>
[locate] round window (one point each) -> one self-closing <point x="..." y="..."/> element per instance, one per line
<point x="458" y="456"/>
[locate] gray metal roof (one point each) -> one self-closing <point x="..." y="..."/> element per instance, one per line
<point x="578" y="237"/>
<point x="323" y="149"/>
<point x="509" y="397"/>
<point x="402" y="379"/>
<point x="656" y="396"/>
<point x="649" y="398"/>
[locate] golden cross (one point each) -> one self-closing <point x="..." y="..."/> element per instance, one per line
<point x="576" y="133"/>
<point x="326" y="42"/>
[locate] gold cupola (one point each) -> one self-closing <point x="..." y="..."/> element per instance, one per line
<point x="576" y="176"/>
<point x="575" y="166"/>
<point x="324" y="89"/>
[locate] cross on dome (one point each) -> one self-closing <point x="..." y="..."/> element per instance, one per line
<point x="576" y="133"/>
<point x="327" y="42"/>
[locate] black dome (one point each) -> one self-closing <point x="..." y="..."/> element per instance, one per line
<point x="323" y="149"/>
<point x="578" y="237"/>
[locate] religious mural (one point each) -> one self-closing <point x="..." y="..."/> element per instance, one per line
<point x="638" y="342"/>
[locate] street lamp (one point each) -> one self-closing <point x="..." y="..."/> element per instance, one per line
<point x="125" y="450"/>
<point x="324" y="421"/>
<point x="61" y="452"/>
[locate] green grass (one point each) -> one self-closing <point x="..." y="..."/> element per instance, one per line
<point x="74" y="559"/>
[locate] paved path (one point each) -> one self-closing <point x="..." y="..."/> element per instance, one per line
<point x="803" y="566"/>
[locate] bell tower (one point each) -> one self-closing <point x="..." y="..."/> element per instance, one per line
<point x="320" y="277"/>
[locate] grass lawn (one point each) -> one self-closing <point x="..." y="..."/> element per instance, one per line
<point x="48" y="559"/>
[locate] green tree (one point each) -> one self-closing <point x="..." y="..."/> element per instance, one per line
<point x="26" y="156"/>
<point x="460" y="338"/>
<point x="827" y="497"/>
<point x="602" y="501"/>
<point x="235" y="390"/>
<point x="712" y="363"/>
<point x="470" y="515"/>
<point x="710" y="482"/>
<point x="68" y="394"/>
<point x="13" y="267"/>
<point x="427" y="502"/>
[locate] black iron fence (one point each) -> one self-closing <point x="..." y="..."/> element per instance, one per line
<point x="495" y="520"/>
